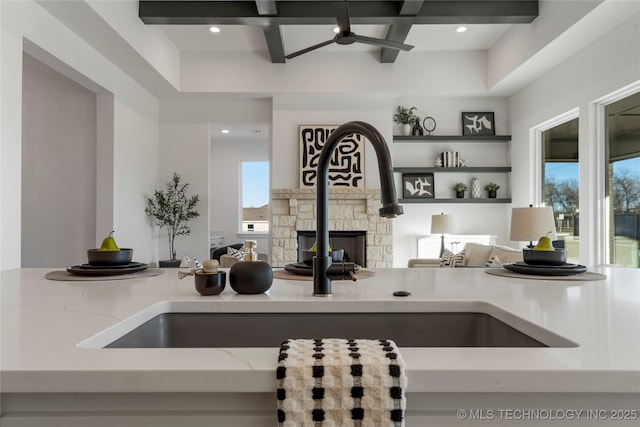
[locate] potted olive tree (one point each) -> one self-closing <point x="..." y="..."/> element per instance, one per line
<point x="460" y="188"/>
<point x="173" y="208"/>
<point x="405" y="117"/>
<point x="492" y="189"/>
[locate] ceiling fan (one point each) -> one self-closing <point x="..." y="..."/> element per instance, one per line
<point x="345" y="36"/>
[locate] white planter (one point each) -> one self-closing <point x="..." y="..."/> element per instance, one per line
<point x="406" y="129"/>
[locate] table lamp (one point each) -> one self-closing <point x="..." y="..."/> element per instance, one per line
<point x="442" y="224"/>
<point x="532" y="223"/>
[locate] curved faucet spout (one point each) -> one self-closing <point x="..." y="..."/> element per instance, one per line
<point x="390" y="207"/>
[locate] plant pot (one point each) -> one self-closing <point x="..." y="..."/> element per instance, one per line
<point x="406" y="129"/>
<point x="460" y="194"/>
<point x="170" y="263"/>
<point x="492" y="193"/>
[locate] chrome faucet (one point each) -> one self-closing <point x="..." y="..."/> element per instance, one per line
<point x="390" y="207"/>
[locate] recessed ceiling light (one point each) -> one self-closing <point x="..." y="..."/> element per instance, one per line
<point x="225" y="131"/>
<point x="336" y="30"/>
<point x="461" y="29"/>
<point x="214" y="29"/>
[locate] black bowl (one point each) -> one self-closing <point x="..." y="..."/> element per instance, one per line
<point x="210" y="283"/>
<point x="98" y="257"/>
<point x="556" y="257"/>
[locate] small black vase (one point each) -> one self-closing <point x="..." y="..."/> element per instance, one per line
<point x="492" y="194"/>
<point x="460" y="194"/>
<point x="417" y="130"/>
<point x="250" y="277"/>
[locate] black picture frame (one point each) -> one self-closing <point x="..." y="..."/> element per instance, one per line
<point x="478" y="123"/>
<point x="418" y="186"/>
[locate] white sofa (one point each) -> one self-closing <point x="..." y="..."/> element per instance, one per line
<point x="473" y="255"/>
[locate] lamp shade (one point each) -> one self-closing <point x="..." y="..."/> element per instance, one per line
<point x="532" y="223"/>
<point x="442" y="224"/>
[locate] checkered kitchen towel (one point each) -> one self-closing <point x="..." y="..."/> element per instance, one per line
<point x="337" y="382"/>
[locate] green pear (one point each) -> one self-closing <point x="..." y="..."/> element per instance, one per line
<point x="314" y="248"/>
<point x="109" y="243"/>
<point x="544" y="244"/>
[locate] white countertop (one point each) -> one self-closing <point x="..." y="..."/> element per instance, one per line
<point x="43" y="321"/>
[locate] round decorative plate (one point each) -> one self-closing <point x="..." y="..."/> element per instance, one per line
<point x="110" y="267"/>
<point x="541" y="270"/>
<point x="303" y="269"/>
<point x="106" y="271"/>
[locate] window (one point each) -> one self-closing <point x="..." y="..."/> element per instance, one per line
<point x="560" y="180"/>
<point x="255" y="196"/>
<point x="623" y="180"/>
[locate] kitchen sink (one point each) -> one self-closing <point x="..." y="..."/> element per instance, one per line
<point x="184" y="330"/>
<point x="188" y="326"/>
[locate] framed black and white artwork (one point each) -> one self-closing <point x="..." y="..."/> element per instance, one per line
<point x="417" y="186"/>
<point x="346" y="167"/>
<point x="475" y="124"/>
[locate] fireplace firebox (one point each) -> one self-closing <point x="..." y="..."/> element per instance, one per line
<point x="354" y="244"/>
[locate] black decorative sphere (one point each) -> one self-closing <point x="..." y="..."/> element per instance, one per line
<point x="250" y="277"/>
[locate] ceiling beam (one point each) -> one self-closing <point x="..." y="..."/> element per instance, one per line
<point x="272" y="33"/>
<point x="309" y="12"/>
<point x="266" y="7"/>
<point x="398" y="32"/>
<point x="274" y="42"/>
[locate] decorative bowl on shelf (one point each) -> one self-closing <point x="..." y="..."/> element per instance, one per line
<point x="555" y="257"/>
<point x="98" y="257"/>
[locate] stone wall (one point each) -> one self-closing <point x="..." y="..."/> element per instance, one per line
<point x="349" y="210"/>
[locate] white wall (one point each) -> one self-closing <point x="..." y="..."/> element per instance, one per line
<point x="134" y="134"/>
<point x="490" y="219"/>
<point x="185" y="148"/>
<point x="58" y="168"/>
<point x="605" y="66"/>
<point x="291" y="111"/>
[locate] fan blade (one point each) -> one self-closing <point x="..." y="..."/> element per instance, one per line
<point x="341" y="9"/>
<point x="310" y="48"/>
<point x="382" y="42"/>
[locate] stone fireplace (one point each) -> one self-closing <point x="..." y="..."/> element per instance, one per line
<point x="294" y="210"/>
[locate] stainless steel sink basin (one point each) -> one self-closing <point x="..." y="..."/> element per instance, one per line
<point x="187" y="330"/>
<point x="266" y="323"/>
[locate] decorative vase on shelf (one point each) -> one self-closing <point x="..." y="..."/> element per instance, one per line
<point x="406" y="129"/>
<point x="492" y="194"/>
<point x="417" y="129"/>
<point x="460" y="194"/>
<point x="476" y="192"/>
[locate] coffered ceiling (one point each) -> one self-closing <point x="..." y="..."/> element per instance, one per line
<point x="281" y="27"/>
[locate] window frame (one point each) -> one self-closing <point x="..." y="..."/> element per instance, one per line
<point x="249" y="234"/>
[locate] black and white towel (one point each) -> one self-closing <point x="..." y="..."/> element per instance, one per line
<point x="338" y="382"/>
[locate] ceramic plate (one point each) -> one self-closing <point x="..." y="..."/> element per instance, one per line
<point x="303" y="269"/>
<point x="103" y="267"/>
<point x="539" y="270"/>
<point x="106" y="271"/>
<point x="566" y="265"/>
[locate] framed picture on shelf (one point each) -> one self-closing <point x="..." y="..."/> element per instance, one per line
<point x="477" y="124"/>
<point x="417" y="186"/>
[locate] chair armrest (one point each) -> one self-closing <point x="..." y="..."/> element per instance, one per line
<point x="227" y="261"/>
<point x="424" y="263"/>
